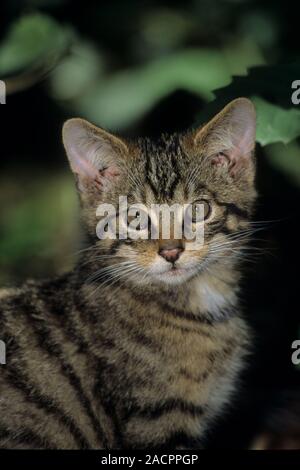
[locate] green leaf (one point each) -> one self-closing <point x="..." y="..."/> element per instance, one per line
<point x="275" y="124"/>
<point x="278" y="121"/>
<point x="32" y="39"/>
<point x="122" y="98"/>
<point x="77" y="72"/>
<point x="272" y="82"/>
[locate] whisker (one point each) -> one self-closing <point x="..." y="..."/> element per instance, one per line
<point x="111" y="268"/>
<point x="116" y="277"/>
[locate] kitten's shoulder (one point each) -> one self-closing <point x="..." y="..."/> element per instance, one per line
<point x="35" y="292"/>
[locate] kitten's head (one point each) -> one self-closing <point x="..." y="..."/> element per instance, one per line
<point x="212" y="166"/>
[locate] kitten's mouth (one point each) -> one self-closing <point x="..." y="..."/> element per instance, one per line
<point x="175" y="275"/>
<point x="174" y="271"/>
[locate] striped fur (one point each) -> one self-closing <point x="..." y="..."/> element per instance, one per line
<point x="130" y="361"/>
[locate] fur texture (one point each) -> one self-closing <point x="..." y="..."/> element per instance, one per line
<point x="128" y="349"/>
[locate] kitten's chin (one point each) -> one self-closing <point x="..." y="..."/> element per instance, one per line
<point x="175" y="276"/>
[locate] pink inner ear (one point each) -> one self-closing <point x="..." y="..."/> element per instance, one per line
<point x="243" y="143"/>
<point x="110" y="172"/>
<point x="85" y="170"/>
<point x="82" y="166"/>
<point x="220" y="160"/>
<point x="238" y="156"/>
<point x="105" y="177"/>
<point x="93" y="153"/>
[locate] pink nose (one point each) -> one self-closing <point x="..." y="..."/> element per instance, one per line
<point x="171" y="255"/>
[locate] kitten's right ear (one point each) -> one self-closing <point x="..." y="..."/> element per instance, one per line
<point x="229" y="138"/>
<point x="94" y="154"/>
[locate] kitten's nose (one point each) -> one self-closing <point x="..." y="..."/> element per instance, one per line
<point x="171" y="254"/>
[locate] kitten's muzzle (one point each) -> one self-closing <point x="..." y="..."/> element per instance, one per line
<point x="171" y="254"/>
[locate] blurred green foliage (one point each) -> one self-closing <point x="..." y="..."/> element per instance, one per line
<point x="112" y="64"/>
<point x="31" y="40"/>
<point x="38" y="225"/>
<point x="275" y="124"/>
<point x="119" y="100"/>
<point x="116" y="99"/>
<point x="139" y="66"/>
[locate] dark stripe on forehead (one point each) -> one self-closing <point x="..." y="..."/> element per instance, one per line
<point x="162" y="171"/>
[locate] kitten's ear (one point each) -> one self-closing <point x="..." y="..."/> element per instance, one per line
<point x="229" y="138"/>
<point x="93" y="153"/>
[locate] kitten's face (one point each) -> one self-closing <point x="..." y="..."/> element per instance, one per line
<point x="212" y="167"/>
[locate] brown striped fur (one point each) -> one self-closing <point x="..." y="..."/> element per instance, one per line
<point x="134" y="361"/>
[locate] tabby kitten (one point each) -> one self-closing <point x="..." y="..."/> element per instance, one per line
<point x="141" y="344"/>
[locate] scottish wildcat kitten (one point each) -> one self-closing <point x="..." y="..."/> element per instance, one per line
<point x="140" y="345"/>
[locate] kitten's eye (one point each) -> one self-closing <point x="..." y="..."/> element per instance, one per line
<point x="196" y="210"/>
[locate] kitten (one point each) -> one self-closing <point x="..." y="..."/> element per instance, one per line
<point x="141" y="344"/>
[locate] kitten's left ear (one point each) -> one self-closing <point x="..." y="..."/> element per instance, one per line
<point x="95" y="155"/>
<point x="229" y="138"/>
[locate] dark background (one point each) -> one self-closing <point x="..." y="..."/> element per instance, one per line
<point x="93" y="60"/>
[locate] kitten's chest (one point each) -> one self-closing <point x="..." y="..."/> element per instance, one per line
<point x="163" y="353"/>
<point x="167" y="373"/>
<point x="192" y="361"/>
